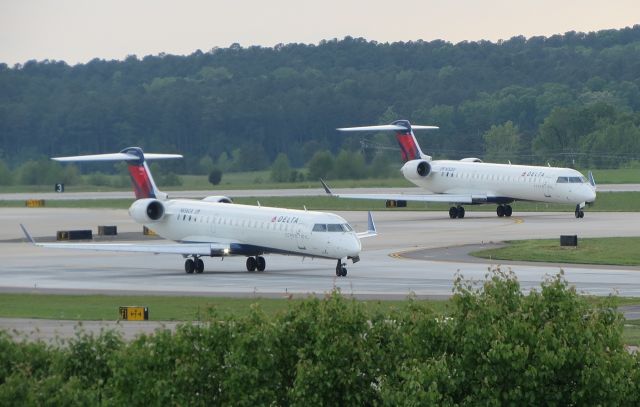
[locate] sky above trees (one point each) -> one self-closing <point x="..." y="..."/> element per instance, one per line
<point x="78" y="31"/>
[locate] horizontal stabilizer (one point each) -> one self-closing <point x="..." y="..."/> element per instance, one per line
<point x="387" y="127"/>
<point x="116" y="157"/>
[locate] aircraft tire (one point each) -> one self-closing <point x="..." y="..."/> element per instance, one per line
<point x="461" y="212"/>
<point x="189" y="266"/>
<point x="453" y="212"/>
<point x="199" y="265"/>
<point x="261" y="263"/>
<point x="581" y="215"/>
<point x="251" y="264"/>
<point x="508" y="210"/>
<point x="500" y="210"/>
<point x="343" y="272"/>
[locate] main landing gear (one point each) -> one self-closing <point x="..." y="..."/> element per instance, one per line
<point x="256" y="263"/>
<point x="504" y="210"/>
<point x="579" y="212"/>
<point x="341" y="270"/>
<point x="196" y="264"/>
<point x="456" y="212"/>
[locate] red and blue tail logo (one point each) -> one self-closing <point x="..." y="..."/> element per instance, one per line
<point x="143" y="185"/>
<point x="408" y="147"/>
<point x="407" y="141"/>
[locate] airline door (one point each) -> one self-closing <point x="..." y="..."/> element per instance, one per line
<point x="300" y="237"/>
<point x="548" y="187"/>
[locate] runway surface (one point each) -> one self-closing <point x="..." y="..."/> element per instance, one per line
<point x="416" y="253"/>
<point x="385" y="271"/>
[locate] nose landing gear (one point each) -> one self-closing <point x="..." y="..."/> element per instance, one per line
<point x="341" y="270"/>
<point x="579" y="212"/>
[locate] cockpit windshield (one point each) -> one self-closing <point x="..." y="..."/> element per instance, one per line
<point x="571" y="180"/>
<point x="332" y="227"/>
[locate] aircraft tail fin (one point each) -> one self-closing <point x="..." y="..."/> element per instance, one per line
<point x="143" y="184"/>
<point x="409" y="147"/>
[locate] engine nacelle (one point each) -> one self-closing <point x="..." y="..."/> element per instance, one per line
<point x="147" y="210"/>
<point x="416" y="169"/>
<point x="471" y="160"/>
<point x="218" y="198"/>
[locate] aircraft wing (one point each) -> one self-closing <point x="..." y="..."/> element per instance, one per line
<point x="186" y="249"/>
<point x="446" y="198"/>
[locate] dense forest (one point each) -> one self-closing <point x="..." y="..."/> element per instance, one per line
<point x="571" y="99"/>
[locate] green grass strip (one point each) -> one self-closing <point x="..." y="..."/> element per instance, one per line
<point x="617" y="251"/>
<point x="161" y="308"/>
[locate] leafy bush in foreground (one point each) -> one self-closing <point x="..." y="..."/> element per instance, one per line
<point x="497" y="346"/>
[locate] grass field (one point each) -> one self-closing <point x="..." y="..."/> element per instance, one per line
<point x="171" y="308"/>
<point x="161" y="308"/>
<point x="621" y="251"/>
<point x="606" y="202"/>
<point x="261" y="180"/>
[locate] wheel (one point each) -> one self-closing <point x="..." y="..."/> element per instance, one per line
<point x="339" y="268"/>
<point x="189" y="266"/>
<point x="500" y="210"/>
<point x="581" y="214"/>
<point x="199" y="265"/>
<point x="251" y="264"/>
<point x="343" y="272"/>
<point x="508" y="210"/>
<point x="460" y="212"/>
<point x="261" y="264"/>
<point x="577" y="213"/>
<point x="453" y="212"/>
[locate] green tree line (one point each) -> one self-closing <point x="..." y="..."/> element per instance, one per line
<point x="566" y="95"/>
<point x="496" y="346"/>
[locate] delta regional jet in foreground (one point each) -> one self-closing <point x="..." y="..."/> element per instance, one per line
<point x="216" y="227"/>
<point x="471" y="181"/>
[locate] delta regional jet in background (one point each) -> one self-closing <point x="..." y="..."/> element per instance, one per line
<point x="471" y="181"/>
<point x="216" y="227"/>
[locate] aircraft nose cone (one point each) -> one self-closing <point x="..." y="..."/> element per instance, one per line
<point x="590" y="195"/>
<point x="354" y="247"/>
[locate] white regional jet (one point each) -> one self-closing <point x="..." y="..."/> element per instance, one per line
<point x="216" y="227"/>
<point x="471" y="182"/>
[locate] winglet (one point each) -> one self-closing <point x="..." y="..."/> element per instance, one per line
<point x="592" y="180"/>
<point x="371" y="226"/>
<point x="326" y="188"/>
<point x="27" y="234"/>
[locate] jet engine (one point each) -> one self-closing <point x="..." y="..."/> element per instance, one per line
<point x="413" y="168"/>
<point x="147" y="210"/>
<point x="218" y="198"/>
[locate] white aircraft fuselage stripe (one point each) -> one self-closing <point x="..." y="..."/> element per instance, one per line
<point x="274" y="229"/>
<point x="518" y="182"/>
